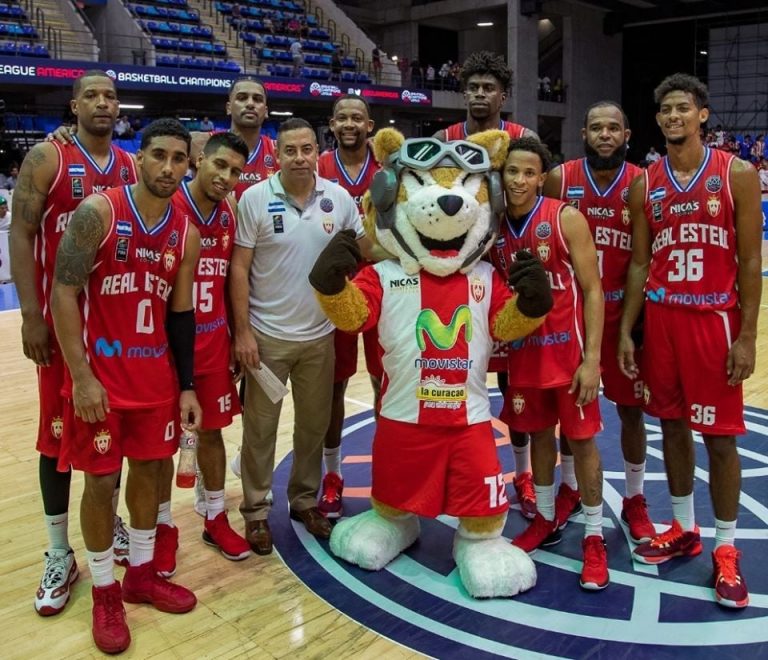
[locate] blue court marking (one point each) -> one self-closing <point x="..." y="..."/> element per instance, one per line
<point x="8" y="298"/>
<point x="647" y="612"/>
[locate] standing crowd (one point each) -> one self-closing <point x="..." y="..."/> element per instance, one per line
<point x="145" y="299"/>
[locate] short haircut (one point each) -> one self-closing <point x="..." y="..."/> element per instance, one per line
<point x="485" y="62"/>
<point x="252" y="79"/>
<point x="165" y="127"/>
<point x="228" y="140"/>
<point x="77" y="86"/>
<point x="610" y="104"/>
<point x="350" y="97"/>
<point x="683" y="82"/>
<point x="535" y="147"/>
<point x="293" y="124"/>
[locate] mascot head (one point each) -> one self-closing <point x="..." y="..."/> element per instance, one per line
<point x="436" y="205"/>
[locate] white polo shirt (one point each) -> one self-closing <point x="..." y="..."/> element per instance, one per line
<point x="286" y="243"/>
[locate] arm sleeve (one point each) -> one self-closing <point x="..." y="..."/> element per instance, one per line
<point x="246" y="232"/>
<point x="181" y="340"/>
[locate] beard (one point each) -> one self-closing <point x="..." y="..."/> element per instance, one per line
<point x="603" y="163"/>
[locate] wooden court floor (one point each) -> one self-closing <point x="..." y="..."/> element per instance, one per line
<point x="250" y="609"/>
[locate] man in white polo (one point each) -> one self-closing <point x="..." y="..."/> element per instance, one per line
<point x="284" y="223"/>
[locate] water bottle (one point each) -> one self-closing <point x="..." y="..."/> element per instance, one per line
<point x="185" y="472"/>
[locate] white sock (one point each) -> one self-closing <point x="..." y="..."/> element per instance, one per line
<point x="593" y="520"/>
<point x="58" y="534"/>
<point x="164" y="514"/>
<point x="141" y="545"/>
<point x="634" y="475"/>
<point x="115" y="500"/>
<point x="545" y="500"/>
<point x="102" y="567"/>
<point x="332" y="459"/>
<point x="214" y="503"/>
<point x="682" y="511"/>
<point x="568" y="472"/>
<point x="725" y="532"/>
<point x="522" y="459"/>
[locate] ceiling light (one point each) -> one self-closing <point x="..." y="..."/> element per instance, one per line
<point x="485" y="24"/>
<point x="131" y="106"/>
<point x="281" y="113"/>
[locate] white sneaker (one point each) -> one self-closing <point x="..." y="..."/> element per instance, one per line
<point x="200" y="508"/>
<point x="234" y="464"/>
<point x="60" y="572"/>
<point x="120" y="542"/>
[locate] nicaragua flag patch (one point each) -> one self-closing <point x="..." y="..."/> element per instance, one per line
<point x="575" y="192"/>
<point x="76" y="170"/>
<point x="124" y="228"/>
<point x="657" y="194"/>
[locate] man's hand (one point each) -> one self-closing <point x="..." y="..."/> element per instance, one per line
<point x="90" y="399"/>
<point x="246" y="350"/>
<point x="191" y="412"/>
<point x="529" y="279"/>
<point x="35" y="339"/>
<point x="741" y="360"/>
<point x="63" y="135"/>
<point x="587" y="381"/>
<point x="337" y="260"/>
<point x="626" y="357"/>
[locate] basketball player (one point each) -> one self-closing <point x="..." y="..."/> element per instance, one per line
<point x="53" y="180"/>
<point x="554" y="373"/>
<point x="351" y="165"/>
<point x="598" y="186"/>
<point x="696" y="244"/>
<point x="124" y="273"/>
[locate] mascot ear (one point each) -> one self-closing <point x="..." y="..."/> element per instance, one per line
<point x="387" y="141"/>
<point x="496" y="144"/>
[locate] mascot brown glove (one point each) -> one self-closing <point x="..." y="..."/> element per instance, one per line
<point x="337" y="260"/>
<point x="529" y="280"/>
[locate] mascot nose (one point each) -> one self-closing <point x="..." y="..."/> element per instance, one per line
<point x="450" y="204"/>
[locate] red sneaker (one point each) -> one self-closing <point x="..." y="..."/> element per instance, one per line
<point x="594" y="571"/>
<point x="142" y="584"/>
<point x="219" y="534"/>
<point x="166" y="545"/>
<point x="668" y="545"/>
<point x="330" y="495"/>
<point x="634" y="515"/>
<point x="730" y="587"/>
<point x="110" y="628"/>
<point x="567" y="505"/>
<point x="526" y="495"/>
<point x="540" y="533"/>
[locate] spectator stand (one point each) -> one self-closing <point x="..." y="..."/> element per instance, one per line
<point x="18" y="35"/>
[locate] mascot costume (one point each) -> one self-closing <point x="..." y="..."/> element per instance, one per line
<point x="435" y="206"/>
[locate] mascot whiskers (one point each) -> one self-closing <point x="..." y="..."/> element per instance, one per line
<point x="435" y="208"/>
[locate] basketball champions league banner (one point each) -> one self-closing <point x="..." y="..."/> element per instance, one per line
<point x="31" y="71"/>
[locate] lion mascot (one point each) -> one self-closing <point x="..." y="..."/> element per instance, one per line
<point x="434" y="207"/>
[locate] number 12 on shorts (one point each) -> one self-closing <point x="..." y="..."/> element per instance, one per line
<point x="497" y="491"/>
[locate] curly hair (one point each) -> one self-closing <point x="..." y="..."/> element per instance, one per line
<point x="683" y="82"/>
<point x="535" y="147"/>
<point x="485" y="62"/>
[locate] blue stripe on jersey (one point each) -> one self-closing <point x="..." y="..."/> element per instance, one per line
<point x="361" y="175"/>
<point x="90" y="159"/>
<point x="255" y="153"/>
<point x="527" y="222"/>
<point x="193" y="205"/>
<point x="466" y="132"/>
<point x="593" y="183"/>
<point x="694" y="179"/>
<point x="158" y="227"/>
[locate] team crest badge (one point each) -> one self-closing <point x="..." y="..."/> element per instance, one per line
<point x="713" y="205"/>
<point x="544" y="230"/>
<point x="124" y="173"/>
<point x="269" y="161"/>
<point x="478" y="289"/>
<point x="713" y="184"/>
<point x="543" y="250"/>
<point x="625" y="194"/>
<point x="518" y="403"/>
<point x="102" y="441"/>
<point x="57" y="427"/>
<point x="328" y="224"/>
<point x="225" y="241"/>
<point x="173" y="239"/>
<point x="646" y="394"/>
<point x="625" y="215"/>
<point x="169" y="259"/>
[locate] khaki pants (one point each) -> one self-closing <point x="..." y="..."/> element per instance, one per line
<point x="309" y="364"/>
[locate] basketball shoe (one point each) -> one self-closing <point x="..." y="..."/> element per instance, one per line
<point x="668" y="545"/>
<point x="110" y="627"/>
<point x="730" y="587"/>
<point x="219" y="534"/>
<point x="567" y="505"/>
<point x="594" y="571"/>
<point x="541" y="533"/>
<point x="59" y="573"/>
<point x="329" y="503"/>
<point x="634" y="515"/>
<point x="526" y="495"/>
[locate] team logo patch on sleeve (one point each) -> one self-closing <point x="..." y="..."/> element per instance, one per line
<point x="76" y="170"/>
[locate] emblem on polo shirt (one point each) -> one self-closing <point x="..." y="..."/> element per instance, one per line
<point x="326" y="204"/>
<point x="328" y="223"/>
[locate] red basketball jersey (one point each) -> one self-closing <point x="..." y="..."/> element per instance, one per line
<point x="550" y="355"/>
<point x="124" y="304"/>
<point x="607" y="212"/>
<point x="693" y="263"/>
<point x="217" y="238"/>
<point x="459" y="131"/>
<point x="329" y="166"/>
<point x="77" y="177"/>
<point x="261" y="164"/>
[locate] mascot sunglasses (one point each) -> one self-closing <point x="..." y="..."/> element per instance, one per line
<point x="427" y="153"/>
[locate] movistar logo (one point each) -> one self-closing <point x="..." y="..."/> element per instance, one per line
<point x="443" y="336"/>
<point x="103" y="347"/>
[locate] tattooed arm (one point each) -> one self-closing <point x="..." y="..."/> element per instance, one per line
<point x="35" y="179"/>
<point x="74" y="262"/>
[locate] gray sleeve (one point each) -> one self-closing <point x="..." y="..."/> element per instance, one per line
<point x="247" y="223"/>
